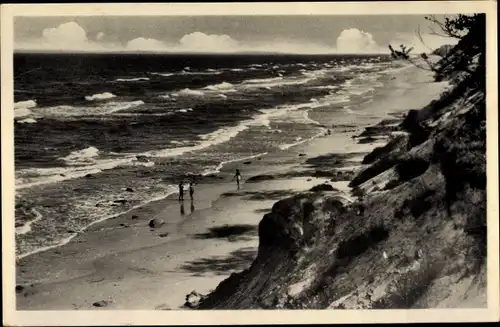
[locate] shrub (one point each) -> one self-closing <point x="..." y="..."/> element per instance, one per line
<point x="322" y="187"/>
<point x="411" y="168"/>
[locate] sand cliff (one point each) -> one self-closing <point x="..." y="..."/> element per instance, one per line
<point x="420" y="241"/>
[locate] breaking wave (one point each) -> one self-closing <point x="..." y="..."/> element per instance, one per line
<point x="135" y="79"/>
<point x="102" y="109"/>
<point x="82" y="157"/>
<point x="100" y="96"/>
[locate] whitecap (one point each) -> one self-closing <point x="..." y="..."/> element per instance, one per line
<point x="262" y="80"/>
<point x="134" y="79"/>
<point x="28" y="104"/>
<point x="29" y="177"/>
<point x="163" y="74"/>
<point x="27" y="121"/>
<point x="22" y="112"/>
<point x="188" y="92"/>
<point x="71" y="111"/>
<point x="84" y="156"/>
<point x="27" y="227"/>
<point x="100" y="96"/>
<point x="224" y="86"/>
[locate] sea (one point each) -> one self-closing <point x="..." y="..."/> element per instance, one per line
<point x="94" y="129"/>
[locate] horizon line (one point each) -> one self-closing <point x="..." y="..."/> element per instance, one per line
<point x="196" y="52"/>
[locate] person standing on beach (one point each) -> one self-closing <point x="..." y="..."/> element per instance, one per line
<point x="238" y="178"/>
<point x="181" y="191"/>
<point x="191" y="190"/>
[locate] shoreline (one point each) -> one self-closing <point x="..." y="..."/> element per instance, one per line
<point x="138" y="206"/>
<point x="82" y="254"/>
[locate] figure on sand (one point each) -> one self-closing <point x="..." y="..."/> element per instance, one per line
<point x="181" y="191"/>
<point x="238" y="178"/>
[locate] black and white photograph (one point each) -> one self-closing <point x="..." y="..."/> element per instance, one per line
<point x="197" y="162"/>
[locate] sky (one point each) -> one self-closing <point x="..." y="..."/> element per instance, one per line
<point x="306" y="34"/>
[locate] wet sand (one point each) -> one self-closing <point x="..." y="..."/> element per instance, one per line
<point x="130" y="265"/>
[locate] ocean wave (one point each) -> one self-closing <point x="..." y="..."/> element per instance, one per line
<point x="188" y="92"/>
<point x="225" y="134"/>
<point x="224" y="86"/>
<point x="163" y="74"/>
<point x="27" y="121"/>
<point x="102" y="109"/>
<point x="22" y="112"/>
<point x="187" y="72"/>
<point x="171" y="189"/>
<point x="27" y="226"/>
<point x="134" y="79"/>
<point x="262" y="80"/>
<point x="28" y="104"/>
<point x="100" y="96"/>
<point x="82" y="157"/>
<point x="185" y="110"/>
<point x="22" y="108"/>
<point x="301" y="140"/>
<point x="30" y="177"/>
<point x="217" y="169"/>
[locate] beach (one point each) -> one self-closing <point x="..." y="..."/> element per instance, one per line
<point x="124" y="263"/>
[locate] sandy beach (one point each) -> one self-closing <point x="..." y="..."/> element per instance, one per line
<point x="197" y="244"/>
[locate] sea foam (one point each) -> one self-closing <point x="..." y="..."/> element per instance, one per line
<point x="135" y="79"/>
<point x="84" y="156"/>
<point x="27" y="121"/>
<point x="100" y="96"/>
<point x="72" y="111"/>
<point x="224" y="86"/>
<point x="22" y="108"/>
<point x="28" y="104"/>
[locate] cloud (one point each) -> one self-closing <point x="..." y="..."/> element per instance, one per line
<point x="70" y="36"/>
<point x="201" y="42"/>
<point x="143" y="44"/>
<point x="67" y="35"/>
<point x="356" y="41"/>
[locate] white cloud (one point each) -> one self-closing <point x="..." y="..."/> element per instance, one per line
<point x="72" y="37"/>
<point x="67" y="35"/>
<point x="143" y="44"/>
<point x="356" y="41"/>
<point x="201" y="42"/>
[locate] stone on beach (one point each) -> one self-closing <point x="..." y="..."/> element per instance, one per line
<point x="100" y="304"/>
<point x="155" y="223"/>
<point x="19" y="288"/>
<point x="193" y="299"/>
